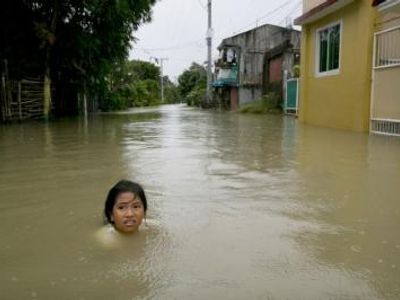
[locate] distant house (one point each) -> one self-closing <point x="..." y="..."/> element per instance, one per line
<point x="253" y="63"/>
<point x="350" y="66"/>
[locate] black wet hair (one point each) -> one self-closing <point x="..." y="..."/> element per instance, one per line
<point x="123" y="186"/>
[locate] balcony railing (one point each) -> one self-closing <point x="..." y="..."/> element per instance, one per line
<point x="227" y="77"/>
<point x="387" y="48"/>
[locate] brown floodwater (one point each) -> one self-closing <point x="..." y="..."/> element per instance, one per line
<point x="247" y="207"/>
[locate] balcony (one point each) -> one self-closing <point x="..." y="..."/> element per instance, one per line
<point x="226" y="76"/>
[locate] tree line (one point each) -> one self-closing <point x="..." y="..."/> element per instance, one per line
<point x="83" y="46"/>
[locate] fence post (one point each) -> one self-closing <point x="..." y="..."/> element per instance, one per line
<point x="19" y="102"/>
<point x="3" y="98"/>
<point x="8" y="98"/>
<point x="85" y="107"/>
<point x="285" y="92"/>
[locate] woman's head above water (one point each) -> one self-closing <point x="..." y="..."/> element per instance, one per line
<point x="125" y="206"/>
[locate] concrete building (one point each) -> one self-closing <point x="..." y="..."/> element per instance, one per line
<point x="253" y="63"/>
<point x="350" y="64"/>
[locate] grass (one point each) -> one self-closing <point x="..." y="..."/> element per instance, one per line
<point x="268" y="104"/>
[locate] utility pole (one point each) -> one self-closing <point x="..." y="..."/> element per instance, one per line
<point x="160" y="61"/>
<point x="209" y="56"/>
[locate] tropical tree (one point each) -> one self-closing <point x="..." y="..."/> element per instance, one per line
<point x="171" y="91"/>
<point x="192" y="84"/>
<point x="131" y="84"/>
<point x="71" y="40"/>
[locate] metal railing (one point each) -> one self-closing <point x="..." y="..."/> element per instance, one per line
<point x="386" y="55"/>
<point x="385" y="127"/>
<point x="292" y="96"/>
<point x="387" y="48"/>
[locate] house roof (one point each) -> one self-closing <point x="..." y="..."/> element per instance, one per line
<point x="377" y="2"/>
<point x="320" y="11"/>
<point x="227" y="41"/>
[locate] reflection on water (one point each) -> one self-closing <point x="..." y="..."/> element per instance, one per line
<point x="250" y="207"/>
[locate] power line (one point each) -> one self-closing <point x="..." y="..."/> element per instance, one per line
<point x="275" y="10"/>
<point x="281" y="17"/>
<point x="264" y="16"/>
<point x="202" y="5"/>
<point x="176" y="47"/>
<point x="209" y="51"/>
<point x="295" y="8"/>
<point x="160" y="61"/>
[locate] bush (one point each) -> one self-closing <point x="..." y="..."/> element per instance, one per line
<point x="171" y="93"/>
<point x="269" y="103"/>
<point x="114" y="101"/>
<point x="196" y="97"/>
<point x="145" y="93"/>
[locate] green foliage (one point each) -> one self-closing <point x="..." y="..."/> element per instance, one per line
<point x="145" y="93"/>
<point x="115" y="102"/>
<point x="132" y="84"/>
<point x="196" y="96"/>
<point x="296" y="71"/>
<point x="81" y="41"/>
<point x="191" y="83"/>
<point x="269" y="103"/>
<point x="142" y="70"/>
<point x="171" y="92"/>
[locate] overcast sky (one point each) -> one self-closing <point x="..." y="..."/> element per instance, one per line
<point x="179" y="27"/>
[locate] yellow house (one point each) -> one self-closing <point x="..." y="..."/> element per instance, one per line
<point x="350" y="64"/>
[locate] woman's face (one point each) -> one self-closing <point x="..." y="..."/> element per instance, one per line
<point x="127" y="213"/>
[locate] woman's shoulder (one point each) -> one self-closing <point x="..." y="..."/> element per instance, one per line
<point x="106" y="229"/>
<point x="107" y="235"/>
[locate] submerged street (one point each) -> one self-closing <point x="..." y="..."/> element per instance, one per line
<point x="240" y="207"/>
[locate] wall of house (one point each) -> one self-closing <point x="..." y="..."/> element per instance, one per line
<point x="342" y="100"/>
<point x="253" y="45"/>
<point x="249" y="94"/>
<point x="275" y="69"/>
<point x="290" y="59"/>
<point x="387" y="19"/>
<point x="386" y="81"/>
<point x="386" y="95"/>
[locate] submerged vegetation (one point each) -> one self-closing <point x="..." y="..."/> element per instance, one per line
<point x="137" y="83"/>
<point x="269" y="103"/>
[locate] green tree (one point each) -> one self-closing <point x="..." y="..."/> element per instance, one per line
<point x="192" y="84"/>
<point x="146" y="93"/>
<point x="142" y="70"/>
<point x="171" y="91"/>
<point x="132" y="83"/>
<point x="70" y="40"/>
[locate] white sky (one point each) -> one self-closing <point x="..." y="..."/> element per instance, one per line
<point x="179" y="27"/>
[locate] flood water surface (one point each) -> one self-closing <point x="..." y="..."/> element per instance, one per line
<point x="240" y="207"/>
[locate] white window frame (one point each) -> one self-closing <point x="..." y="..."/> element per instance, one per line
<point x="317" y="50"/>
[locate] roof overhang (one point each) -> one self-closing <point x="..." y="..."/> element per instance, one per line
<point x="320" y="11"/>
<point x="384" y="5"/>
<point x="227" y="45"/>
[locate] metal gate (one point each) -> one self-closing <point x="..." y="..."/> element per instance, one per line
<point x="385" y="104"/>
<point x="292" y="96"/>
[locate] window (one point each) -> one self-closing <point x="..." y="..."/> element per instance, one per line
<point x="328" y="50"/>
<point x="387" y="48"/>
